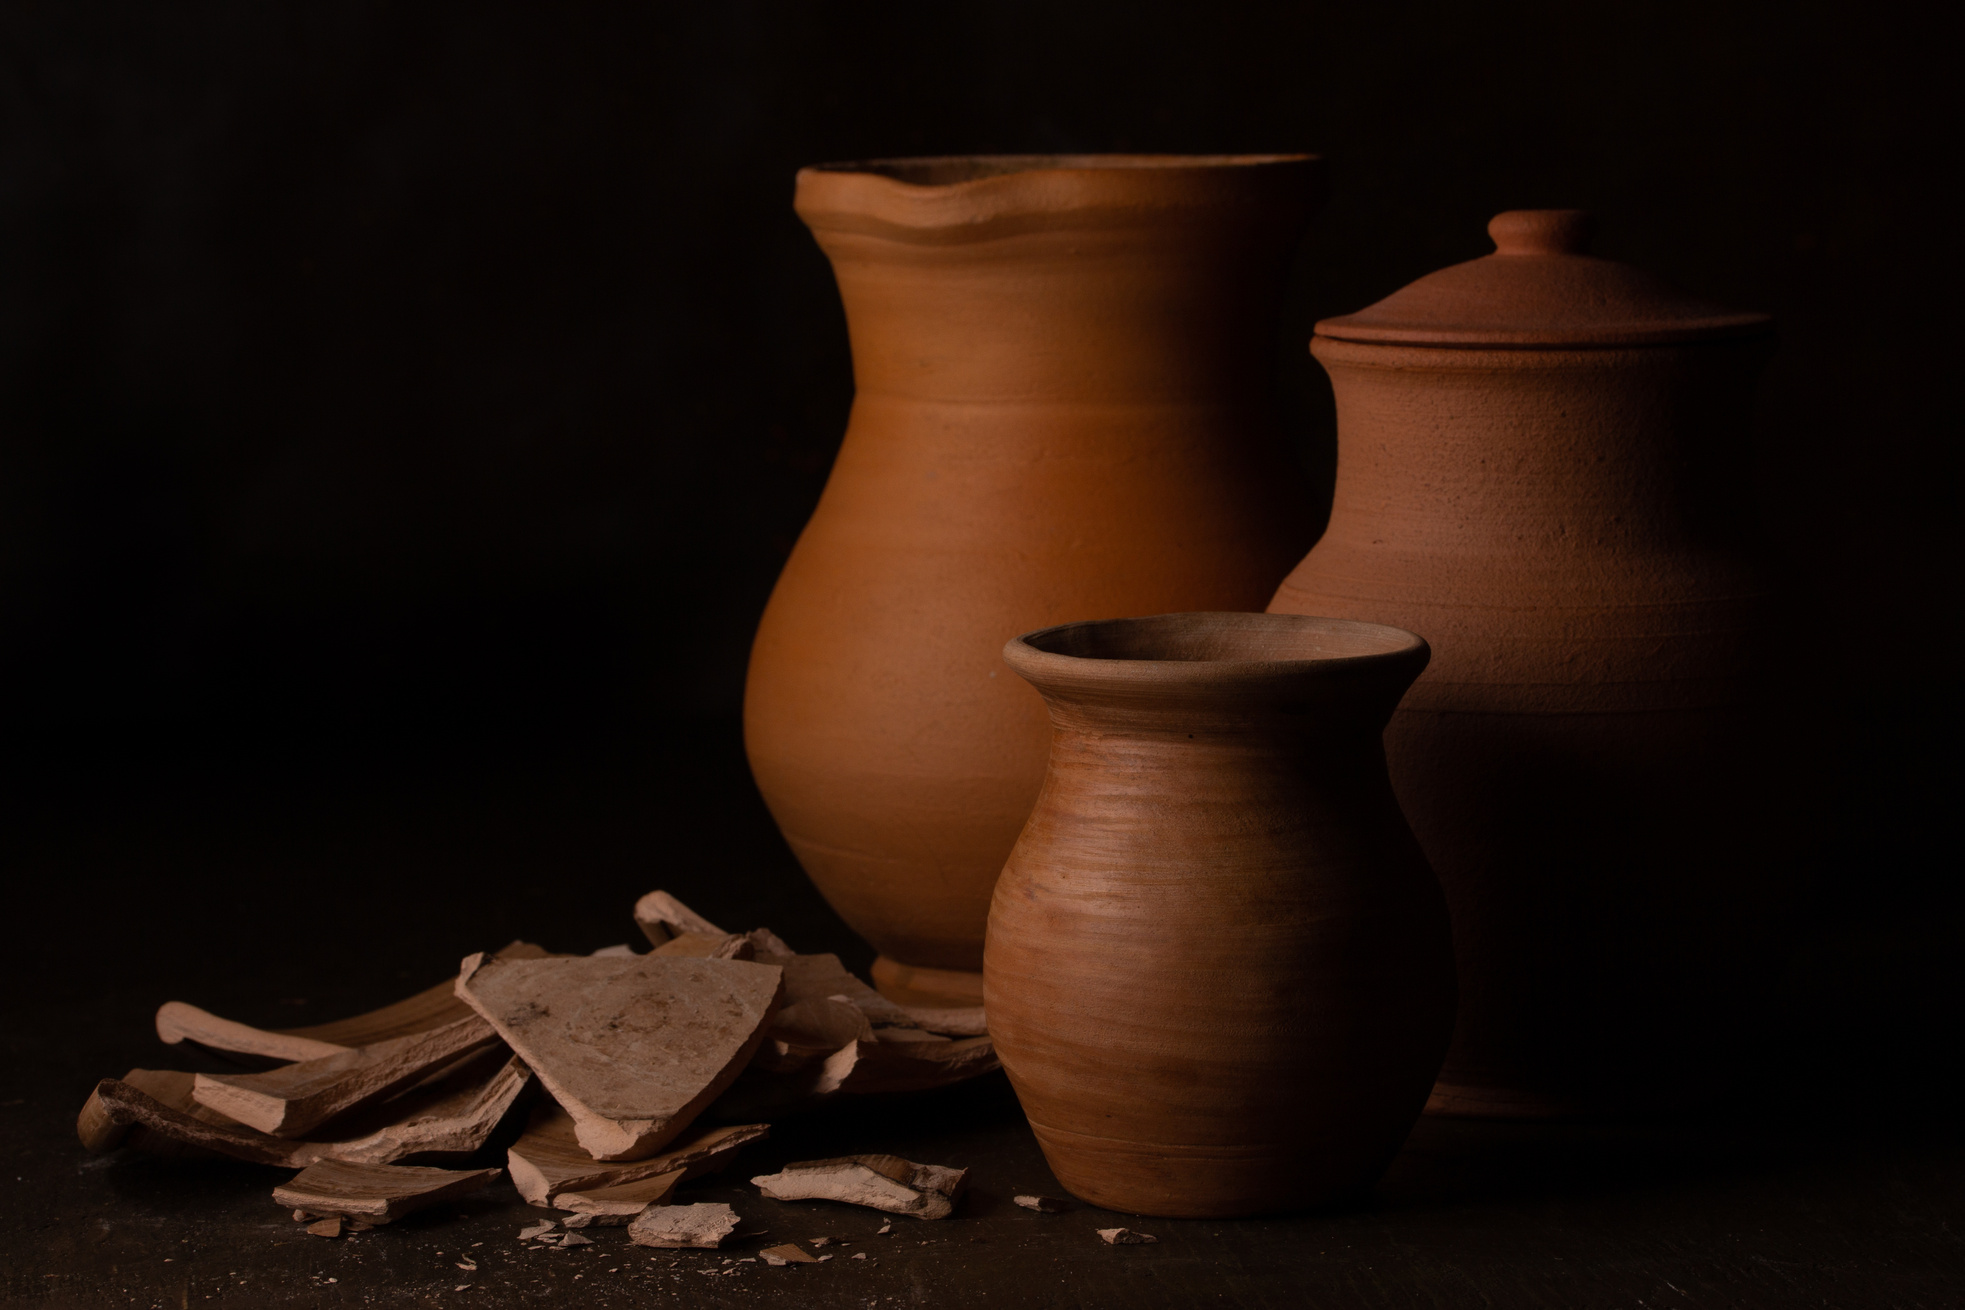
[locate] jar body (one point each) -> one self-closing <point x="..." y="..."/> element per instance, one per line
<point x="1061" y="412"/>
<point x="1579" y="762"/>
<point x="1219" y="971"/>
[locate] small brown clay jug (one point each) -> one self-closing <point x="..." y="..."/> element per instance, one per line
<point x="1541" y="467"/>
<point x="1064" y="408"/>
<point x="1219" y="971"/>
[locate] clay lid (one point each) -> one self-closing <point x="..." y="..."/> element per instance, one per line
<point x="1538" y="288"/>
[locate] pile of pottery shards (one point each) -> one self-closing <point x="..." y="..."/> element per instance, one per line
<point x="633" y="1072"/>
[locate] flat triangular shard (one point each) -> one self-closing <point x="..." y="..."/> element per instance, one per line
<point x="378" y="1193"/>
<point x="634" y="1049"/>
<point x="548" y="1161"/>
<point x="290" y="1100"/>
<point x="881" y="1182"/>
<point x="704" y="1225"/>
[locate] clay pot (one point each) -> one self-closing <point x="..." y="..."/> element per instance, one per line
<point x="1219" y="972"/>
<point x="1064" y="409"/>
<point x="1541" y="467"/>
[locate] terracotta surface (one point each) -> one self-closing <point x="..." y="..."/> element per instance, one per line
<point x="1541" y="467"/>
<point x="1219" y="971"/>
<point x="1063" y="411"/>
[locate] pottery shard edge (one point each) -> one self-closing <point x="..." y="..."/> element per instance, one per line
<point x="380" y="1193"/>
<point x="703" y="1225"/>
<point x="628" y="1095"/>
<point x="880" y="1182"/>
<point x="548" y="1159"/>
<point x="294" y="1098"/>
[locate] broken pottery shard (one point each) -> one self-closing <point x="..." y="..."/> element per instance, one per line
<point x="379" y="1193"/>
<point x="179" y="1022"/>
<point x="883" y="1182"/>
<point x="661" y="917"/>
<point x="610" y="1207"/>
<point x="963" y="1022"/>
<point x="708" y="946"/>
<point x="432" y="1008"/>
<point x="633" y="1049"/>
<point x="807" y="1032"/>
<point x="1043" y="1204"/>
<point x="330" y="1227"/>
<point x="895" y="1036"/>
<point x="768" y="946"/>
<point x="294" y="1098"/>
<point x="160" y="1115"/>
<point x="531" y="1231"/>
<point x="103" y="1127"/>
<point x="912" y="1066"/>
<point x="121" y="1102"/>
<point x="453" y="1114"/>
<point x="98" y="1129"/>
<point x="548" y="1159"/>
<point x="818" y="977"/>
<point x="1124" y="1237"/>
<point x="575" y="1239"/>
<point x="702" y="1225"/>
<point x="786" y="1255"/>
<point x="884" y="1065"/>
<point x="825" y="1024"/>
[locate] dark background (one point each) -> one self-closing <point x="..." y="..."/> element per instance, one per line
<point x="406" y="407"/>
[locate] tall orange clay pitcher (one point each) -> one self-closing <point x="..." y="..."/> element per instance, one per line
<point x="1064" y="410"/>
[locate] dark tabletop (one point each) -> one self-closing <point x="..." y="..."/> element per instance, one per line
<point x="284" y="894"/>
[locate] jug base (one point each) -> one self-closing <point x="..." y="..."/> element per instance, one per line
<point x="907" y="984"/>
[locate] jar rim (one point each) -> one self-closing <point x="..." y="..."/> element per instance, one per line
<point x="1210" y="646"/>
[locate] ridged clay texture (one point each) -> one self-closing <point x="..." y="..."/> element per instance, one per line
<point x="1063" y="410"/>
<point x="1560" y="513"/>
<point x="1219" y="971"/>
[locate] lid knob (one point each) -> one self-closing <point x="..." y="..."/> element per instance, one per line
<point x="1542" y="231"/>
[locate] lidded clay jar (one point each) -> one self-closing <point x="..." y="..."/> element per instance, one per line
<point x="1542" y="462"/>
